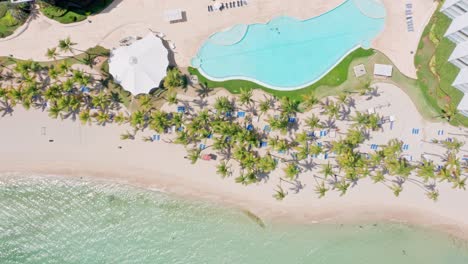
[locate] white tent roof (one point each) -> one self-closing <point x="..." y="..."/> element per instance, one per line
<point x="140" y="67"/>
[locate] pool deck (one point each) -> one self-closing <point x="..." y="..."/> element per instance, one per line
<point x="125" y="18"/>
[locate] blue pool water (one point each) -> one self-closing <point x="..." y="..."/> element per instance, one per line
<point x="287" y="53"/>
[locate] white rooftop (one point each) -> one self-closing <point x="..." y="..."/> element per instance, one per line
<point x="383" y="70"/>
<point x="462" y="77"/>
<point x="463" y="105"/>
<point x="448" y="3"/>
<point x="173" y="15"/>
<point x="460" y="51"/>
<point x="140" y="67"/>
<point x="458" y="23"/>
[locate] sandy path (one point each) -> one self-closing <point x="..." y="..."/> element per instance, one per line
<point x="135" y="17"/>
<point x="92" y="151"/>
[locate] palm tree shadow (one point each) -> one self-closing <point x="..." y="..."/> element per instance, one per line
<point x="297" y="186"/>
<point x="308" y="165"/>
<point x="201" y="103"/>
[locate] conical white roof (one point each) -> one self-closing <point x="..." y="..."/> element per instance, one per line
<point x="140" y="67"/>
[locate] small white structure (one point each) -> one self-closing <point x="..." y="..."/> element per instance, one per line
<point x="459" y="56"/>
<point x="463" y="105"/>
<point x="458" y="30"/>
<point x="140" y="67"/>
<point x="359" y="70"/>
<point x="454" y="8"/>
<point x="383" y="70"/>
<point x="173" y="15"/>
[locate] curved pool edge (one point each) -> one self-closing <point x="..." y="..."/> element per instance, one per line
<point x="277" y="88"/>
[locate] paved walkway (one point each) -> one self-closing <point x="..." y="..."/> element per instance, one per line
<point x="135" y="17"/>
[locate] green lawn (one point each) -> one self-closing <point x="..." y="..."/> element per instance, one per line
<point x="8" y="24"/>
<point x="73" y="14"/>
<point x="435" y="73"/>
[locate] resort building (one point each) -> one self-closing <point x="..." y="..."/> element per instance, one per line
<point x="463" y="106"/>
<point x="458" y="33"/>
<point x="461" y="82"/>
<point x="459" y="56"/>
<point x="454" y="8"/>
<point x="458" y="30"/>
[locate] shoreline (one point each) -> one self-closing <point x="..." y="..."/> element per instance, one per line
<point x="356" y="215"/>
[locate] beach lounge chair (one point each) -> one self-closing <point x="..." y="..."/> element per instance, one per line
<point x="228" y="114"/>
<point x="263" y="144"/>
<point x="415" y="131"/>
<point x="156" y="137"/>
<point x="202" y="146"/>
<point x="181" y="109"/>
<point x="292" y="120"/>
<point x="405" y="147"/>
<point x="240" y="114"/>
<point x="250" y="127"/>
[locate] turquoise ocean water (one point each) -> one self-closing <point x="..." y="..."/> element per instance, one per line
<point x="287" y="53"/>
<point x="52" y="220"/>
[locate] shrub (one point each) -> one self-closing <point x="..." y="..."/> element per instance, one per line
<point x="3" y="9"/>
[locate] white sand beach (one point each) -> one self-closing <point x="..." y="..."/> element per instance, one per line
<point x="92" y="152"/>
<point x="134" y="18"/>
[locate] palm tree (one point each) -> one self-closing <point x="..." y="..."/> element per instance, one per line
<point x="245" y="97"/>
<point x="172" y="98"/>
<point x="449" y="112"/>
<point x="194" y="155"/>
<point x="223" y="169"/>
<point x="264" y="106"/>
<point x="127" y="135"/>
<point x="173" y="79"/>
<point x="309" y="100"/>
<point x="267" y="163"/>
<point x="223" y="105"/>
<point x="66" y="45"/>
<point x="313" y="122"/>
<point x="280" y="194"/>
<point x="52" y="53"/>
<point x="145" y="102"/>
<point x="291" y="171"/>
<point x="426" y="170"/>
<point x="321" y="190"/>
<point x="85" y="117"/>
<point x="327" y="170"/>
<point x="433" y="195"/>
<point x="397" y="189"/>
<point x="137" y="119"/>
<point x="289" y="106"/>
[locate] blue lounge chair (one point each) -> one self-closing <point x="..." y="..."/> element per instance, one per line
<point x="250" y="127"/>
<point x="240" y="114"/>
<point x="202" y="146"/>
<point x="440" y="132"/>
<point x="181" y="109"/>
<point x="292" y="120"/>
<point x="156" y="137"/>
<point x="263" y="144"/>
<point x="228" y="114"/>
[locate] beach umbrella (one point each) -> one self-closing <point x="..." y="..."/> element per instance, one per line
<point x="141" y="66"/>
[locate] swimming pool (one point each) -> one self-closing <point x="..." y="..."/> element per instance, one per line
<point x="286" y="53"/>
